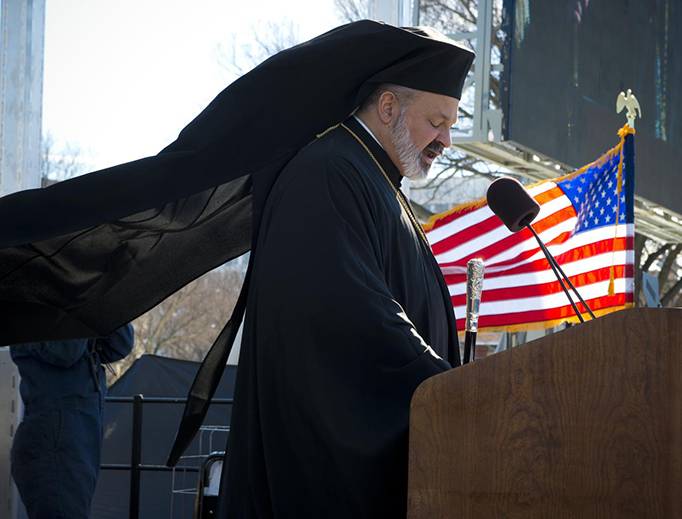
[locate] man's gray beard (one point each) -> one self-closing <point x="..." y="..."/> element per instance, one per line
<point x="408" y="153"/>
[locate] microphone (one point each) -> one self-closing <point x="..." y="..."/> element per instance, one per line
<point x="512" y="204"/>
<point x="475" y="268"/>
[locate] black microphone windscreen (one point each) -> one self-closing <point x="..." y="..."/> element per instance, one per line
<point x="512" y="204"/>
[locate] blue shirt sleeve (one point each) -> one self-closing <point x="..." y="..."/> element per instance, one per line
<point x="118" y="345"/>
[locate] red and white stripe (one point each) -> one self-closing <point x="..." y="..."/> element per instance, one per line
<point x="520" y="287"/>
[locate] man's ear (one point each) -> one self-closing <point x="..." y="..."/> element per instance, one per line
<point x="387" y="107"/>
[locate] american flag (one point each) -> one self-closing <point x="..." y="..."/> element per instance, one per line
<point x="587" y="222"/>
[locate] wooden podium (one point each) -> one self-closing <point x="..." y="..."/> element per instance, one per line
<point x="583" y="423"/>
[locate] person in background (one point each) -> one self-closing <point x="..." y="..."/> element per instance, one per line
<point x="57" y="447"/>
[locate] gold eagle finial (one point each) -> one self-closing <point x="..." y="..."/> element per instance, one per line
<point x="630" y="102"/>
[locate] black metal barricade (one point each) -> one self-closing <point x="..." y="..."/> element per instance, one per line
<point x="136" y="467"/>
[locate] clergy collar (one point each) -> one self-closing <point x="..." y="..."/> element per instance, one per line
<point x="367" y="129"/>
<point x="377" y="150"/>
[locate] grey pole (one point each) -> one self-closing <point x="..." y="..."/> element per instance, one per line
<point x="22" y="31"/>
<point x="22" y="34"/>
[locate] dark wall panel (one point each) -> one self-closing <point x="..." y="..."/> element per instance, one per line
<point x="567" y="61"/>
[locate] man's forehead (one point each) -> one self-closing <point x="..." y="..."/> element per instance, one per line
<point x="438" y="104"/>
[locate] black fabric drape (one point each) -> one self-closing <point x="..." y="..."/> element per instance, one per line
<point x="83" y="257"/>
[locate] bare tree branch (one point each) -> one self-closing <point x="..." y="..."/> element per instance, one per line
<point x="352" y="10"/>
<point x="654" y="256"/>
<point x="668" y="264"/>
<point x="672" y="293"/>
<point x="60" y="161"/>
<point x="267" y="38"/>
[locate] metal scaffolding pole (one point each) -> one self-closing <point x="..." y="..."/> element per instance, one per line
<point x="22" y="29"/>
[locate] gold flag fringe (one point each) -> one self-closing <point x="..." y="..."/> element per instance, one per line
<point x="544" y="325"/>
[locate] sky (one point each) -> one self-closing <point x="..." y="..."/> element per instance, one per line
<point x="123" y="77"/>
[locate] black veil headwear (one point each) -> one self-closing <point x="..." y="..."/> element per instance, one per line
<point x="85" y="256"/>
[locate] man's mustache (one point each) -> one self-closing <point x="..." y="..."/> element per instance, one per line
<point x="436" y="147"/>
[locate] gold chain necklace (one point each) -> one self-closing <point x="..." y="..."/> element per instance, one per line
<point x="398" y="194"/>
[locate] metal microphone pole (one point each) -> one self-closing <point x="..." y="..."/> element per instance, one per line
<point x="558" y="270"/>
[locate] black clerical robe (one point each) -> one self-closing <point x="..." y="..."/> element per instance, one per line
<point x="347" y="314"/>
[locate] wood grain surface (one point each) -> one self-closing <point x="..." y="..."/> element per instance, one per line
<point x="583" y="423"/>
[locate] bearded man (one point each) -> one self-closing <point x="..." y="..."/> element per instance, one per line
<point x="346" y="308"/>
<point x="348" y="314"/>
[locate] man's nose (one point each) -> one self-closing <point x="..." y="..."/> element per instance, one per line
<point x="444" y="138"/>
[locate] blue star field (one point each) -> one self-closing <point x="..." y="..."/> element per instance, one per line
<point x="594" y="195"/>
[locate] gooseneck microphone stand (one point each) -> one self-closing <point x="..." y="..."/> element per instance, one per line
<point x="558" y="270"/>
